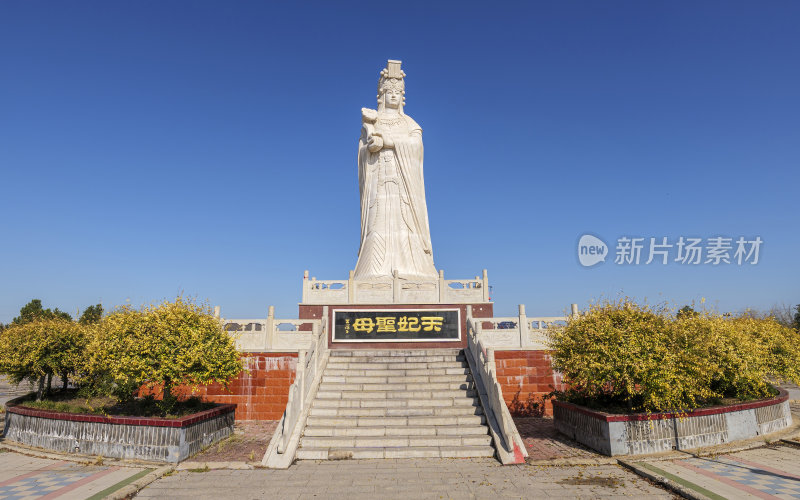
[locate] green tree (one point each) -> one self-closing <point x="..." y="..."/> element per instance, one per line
<point x="42" y="348"/>
<point x="634" y="357"/>
<point x="797" y="319"/>
<point x="33" y="310"/>
<point x="686" y="312"/>
<point x="91" y="314"/>
<point x="168" y="345"/>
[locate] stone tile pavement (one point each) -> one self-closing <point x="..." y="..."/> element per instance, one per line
<point x="24" y="477"/>
<point x="406" y="479"/>
<point x="768" y="472"/>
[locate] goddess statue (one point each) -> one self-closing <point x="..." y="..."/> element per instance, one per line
<point x="395" y="236"/>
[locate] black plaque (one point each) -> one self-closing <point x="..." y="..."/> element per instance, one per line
<point x="395" y="325"/>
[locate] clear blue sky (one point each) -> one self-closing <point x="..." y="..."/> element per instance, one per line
<point x="149" y="148"/>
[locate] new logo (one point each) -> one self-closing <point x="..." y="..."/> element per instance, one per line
<point x="591" y="250"/>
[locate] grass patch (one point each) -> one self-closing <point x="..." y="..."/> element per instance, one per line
<point x="231" y="440"/>
<point x="201" y="469"/>
<point x="70" y="401"/>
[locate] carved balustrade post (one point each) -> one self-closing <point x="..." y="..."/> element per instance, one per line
<point x="269" y="334"/>
<point x="524" y="338"/>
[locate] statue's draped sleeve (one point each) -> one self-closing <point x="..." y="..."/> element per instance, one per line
<point x="409" y="152"/>
<point x="364" y="180"/>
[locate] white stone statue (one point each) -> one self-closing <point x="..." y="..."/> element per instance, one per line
<point x="395" y="236"/>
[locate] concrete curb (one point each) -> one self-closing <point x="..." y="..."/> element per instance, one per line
<point x="663" y="481"/>
<point x="567" y="462"/>
<point x="215" y="465"/>
<point x="81" y="459"/>
<point x="791" y="441"/>
<point x="133" y="488"/>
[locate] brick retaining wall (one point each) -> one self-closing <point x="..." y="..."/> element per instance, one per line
<point x="259" y="393"/>
<point x="262" y="393"/>
<point x="526" y="376"/>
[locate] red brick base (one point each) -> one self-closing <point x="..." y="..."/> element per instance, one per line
<point x="526" y="376"/>
<point x="259" y="393"/>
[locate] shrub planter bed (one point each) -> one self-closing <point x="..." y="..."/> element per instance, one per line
<point x="636" y="434"/>
<point x="144" y="438"/>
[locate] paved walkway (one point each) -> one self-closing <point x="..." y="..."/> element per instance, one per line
<point x="768" y="472"/>
<point x="544" y="442"/>
<point x="406" y="479"/>
<point x="23" y="477"/>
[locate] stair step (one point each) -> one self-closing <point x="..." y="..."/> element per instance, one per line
<point x="395" y="412"/>
<point x="396" y="403"/>
<point x="410" y="452"/>
<point x="398" y="366"/>
<point x="411" y="386"/>
<point x="396" y="359"/>
<point x="339" y="353"/>
<point x="353" y="372"/>
<point x="391" y="394"/>
<point x="394" y="420"/>
<point x="393" y="441"/>
<point x="401" y="430"/>
<point x="401" y="379"/>
<point x="397" y="407"/>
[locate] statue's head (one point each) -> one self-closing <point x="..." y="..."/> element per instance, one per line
<point x="391" y="87"/>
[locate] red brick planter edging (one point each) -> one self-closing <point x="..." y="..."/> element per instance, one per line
<point x="21" y="409"/>
<point x="782" y="396"/>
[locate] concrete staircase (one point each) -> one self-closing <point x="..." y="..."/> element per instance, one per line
<point x="396" y="404"/>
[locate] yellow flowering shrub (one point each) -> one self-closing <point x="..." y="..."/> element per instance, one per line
<point x="168" y="345"/>
<point x="623" y="357"/>
<point x="41" y="349"/>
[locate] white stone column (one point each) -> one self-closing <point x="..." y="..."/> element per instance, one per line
<point x="522" y="325"/>
<point x="269" y="335"/>
<point x="396" y="287"/>
<point x="351" y="288"/>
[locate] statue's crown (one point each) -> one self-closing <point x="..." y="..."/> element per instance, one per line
<point x="392" y="76"/>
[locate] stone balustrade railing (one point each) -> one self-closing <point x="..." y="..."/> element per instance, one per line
<point x="396" y="291"/>
<point x="509" y="444"/>
<point x="520" y="332"/>
<point x="272" y="334"/>
<point x="310" y="366"/>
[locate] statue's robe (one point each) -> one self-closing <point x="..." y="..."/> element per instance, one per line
<point x="395" y="235"/>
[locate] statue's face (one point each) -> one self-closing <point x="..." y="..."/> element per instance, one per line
<point x="392" y="98"/>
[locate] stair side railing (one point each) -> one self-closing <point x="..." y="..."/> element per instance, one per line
<point x="311" y="364"/>
<point x="508" y="443"/>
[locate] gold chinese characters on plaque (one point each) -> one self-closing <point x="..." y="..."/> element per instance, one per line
<point x="408" y="325"/>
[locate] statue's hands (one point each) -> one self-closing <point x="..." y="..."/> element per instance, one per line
<point x="375" y="143"/>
